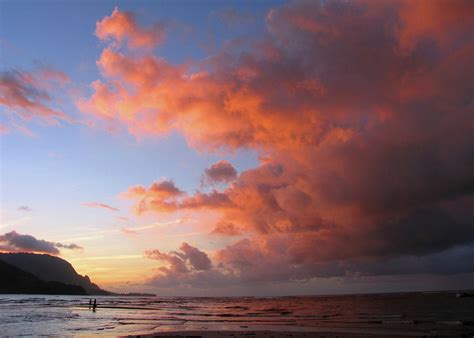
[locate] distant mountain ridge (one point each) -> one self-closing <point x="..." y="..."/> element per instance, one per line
<point x="49" y="268"/>
<point x="16" y="281"/>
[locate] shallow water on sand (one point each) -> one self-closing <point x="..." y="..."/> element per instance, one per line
<point x="383" y="314"/>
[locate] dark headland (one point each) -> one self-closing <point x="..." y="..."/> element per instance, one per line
<point x="18" y="281"/>
<point x="28" y="273"/>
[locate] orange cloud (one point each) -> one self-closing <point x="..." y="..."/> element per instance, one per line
<point x="270" y="99"/>
<point x="164" y="196"/>
<point x="152" y="96"/>
<point x="227" y="229"/>
<point x="362" y="117"/>
<point x="122" y="26"/>
<point x="445" y="21"/>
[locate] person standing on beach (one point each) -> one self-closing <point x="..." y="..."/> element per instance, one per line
<point x="95" y="304"/>
<point x="90" y="303"/>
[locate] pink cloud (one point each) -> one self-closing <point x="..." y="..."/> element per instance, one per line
<point x="3" y="129"/>
<point x="50" y="74"/>
<point x="268" y="259"/>
<point x="188" y="267"/>
<point x="99" y="205"/>
<point x="28" y="96"/>
<point x="188" y="261"/>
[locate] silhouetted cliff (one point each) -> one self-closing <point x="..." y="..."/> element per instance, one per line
<point x="51" y="269"/>
<point x="14" y="280"/>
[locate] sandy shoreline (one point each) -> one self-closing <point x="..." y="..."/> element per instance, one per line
<point x="281" y="334"/>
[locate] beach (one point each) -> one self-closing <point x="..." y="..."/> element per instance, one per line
<point x="335" y="333"/>
<point x="372" y="315"/>
<point x="271" y="334"/>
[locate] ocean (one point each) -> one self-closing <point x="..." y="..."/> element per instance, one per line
<point x="403" y="314"/>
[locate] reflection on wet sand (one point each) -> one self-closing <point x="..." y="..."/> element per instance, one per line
<point x="410" y="314"/>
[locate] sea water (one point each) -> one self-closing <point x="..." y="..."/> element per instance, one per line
<point x="405" y="314"/>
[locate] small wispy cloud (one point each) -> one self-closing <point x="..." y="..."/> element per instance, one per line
<point x="123" y="218"/>
<point x="55" y="154"/>
<point x="128" y="231"/>
<point x="233" y="17"/>
<point x="14" y="222"/>
<point x="107" y="258"/>
<point x="99" y="205"/>
<point x="136" y="230"/>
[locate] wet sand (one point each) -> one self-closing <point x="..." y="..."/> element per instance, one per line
<point x="383" y="315"/>
<point x="282" y="334"/>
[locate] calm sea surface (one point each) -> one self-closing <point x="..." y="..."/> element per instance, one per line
<point x="408" y="314"/>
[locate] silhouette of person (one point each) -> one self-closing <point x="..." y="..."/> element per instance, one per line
<point x="90" y="303"/>
<point x="95" y="304"/>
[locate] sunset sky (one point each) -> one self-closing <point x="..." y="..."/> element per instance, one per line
<point x="241" y="147"/>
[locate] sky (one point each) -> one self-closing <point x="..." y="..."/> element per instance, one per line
<point x="241" y="148"/>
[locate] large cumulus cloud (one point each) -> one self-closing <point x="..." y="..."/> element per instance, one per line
<point x="362" y="112"/>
